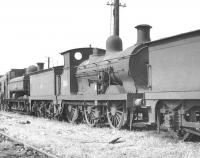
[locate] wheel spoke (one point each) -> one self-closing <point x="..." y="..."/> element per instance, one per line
<point x="72" y="113"/>
<point x="115" y="114"/>
<point x="90" y="116"/>
<point x="73" y="110"/>
<point x="120" y="112"/>
<point x="115" y="121"/>
<point x="118" y="118"/>
<point x="111" y="118"/>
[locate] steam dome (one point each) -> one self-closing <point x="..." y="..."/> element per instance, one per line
<point x="114" y="43"/>
<point x="31" y="69"/>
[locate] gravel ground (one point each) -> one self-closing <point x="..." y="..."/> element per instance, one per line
<point x="12" y="149"/>
<point x="80" y="141"/>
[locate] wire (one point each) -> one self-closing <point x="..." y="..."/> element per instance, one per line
<point x="111" y="18"/>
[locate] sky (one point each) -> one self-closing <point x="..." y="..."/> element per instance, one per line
<point x="33" y="30"/>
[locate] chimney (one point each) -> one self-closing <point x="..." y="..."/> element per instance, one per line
<point x="40" y="66"/>
<point x="143" y="33"/>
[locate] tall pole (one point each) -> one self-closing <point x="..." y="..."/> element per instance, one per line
<point x="116" y="18"/>
<point x="48" y="62"/>
<point x="116" y="5"/>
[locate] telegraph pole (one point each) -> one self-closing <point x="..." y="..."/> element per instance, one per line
<point x="116" y="5"/>
<point x="48" y="62"/>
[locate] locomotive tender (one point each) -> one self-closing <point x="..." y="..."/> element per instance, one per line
<point x="152" y="83"/>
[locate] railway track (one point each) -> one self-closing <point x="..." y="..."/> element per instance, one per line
<point x="12" y="148"/>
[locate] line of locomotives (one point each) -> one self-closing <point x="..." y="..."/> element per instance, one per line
<point x="152" y="83"/>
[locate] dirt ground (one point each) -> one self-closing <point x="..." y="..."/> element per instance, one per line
<point x="80" y="141"/>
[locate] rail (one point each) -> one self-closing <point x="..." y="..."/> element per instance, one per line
<point x="30" y="146"/>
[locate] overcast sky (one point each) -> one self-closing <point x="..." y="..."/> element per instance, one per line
<point x="32" y="30"/>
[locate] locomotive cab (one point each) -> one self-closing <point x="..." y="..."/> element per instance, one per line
<point x="70" y="83"/>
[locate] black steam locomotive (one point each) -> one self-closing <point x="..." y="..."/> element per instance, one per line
<point x="152" y="83"/>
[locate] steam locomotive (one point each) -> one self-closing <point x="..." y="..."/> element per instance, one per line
<point x="152" y="83"/>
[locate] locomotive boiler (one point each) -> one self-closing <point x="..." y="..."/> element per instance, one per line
<point x="119" y="77"/>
